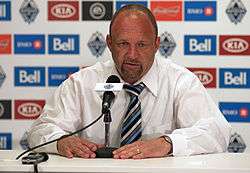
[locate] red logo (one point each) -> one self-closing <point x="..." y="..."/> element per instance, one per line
<point x="208" y="11"/>
<point x="167" y="11"/>
<point x="244" y="112"/>
<point x="5" y="44"/>
<point x="235" y="45"/>
<point x="37" y="44"/>
<point x="207" y="76"/>
<point x="63" y="10"/>
<point x="28" y="109"/>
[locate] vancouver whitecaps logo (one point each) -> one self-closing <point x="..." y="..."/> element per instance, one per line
<point x="97" y="44"/>
<point x="29" y="11"/>
<point x="236" y="144"/>
<point x="2" y="76"/>
<point x="167" y="44"/>
<point x="236" y="11"/>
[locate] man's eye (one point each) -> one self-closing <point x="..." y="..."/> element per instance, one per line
<point x="123" y="44"/>
<point x="141" y="45"/>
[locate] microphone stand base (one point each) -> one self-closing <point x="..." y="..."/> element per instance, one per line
<point x="105" y="152"/>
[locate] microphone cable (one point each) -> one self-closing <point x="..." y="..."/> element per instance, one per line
<point x="62" y="137"/>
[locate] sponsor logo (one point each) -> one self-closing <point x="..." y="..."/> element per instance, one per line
<point x="167" y="11"/>
<point x="28" y="109"/>
<point x="97" y="44"/>
<point x="2" y="76"/>
<point x="24" y="141"/>
<point x="234" y="78"/>
<point x="5" y="141"/>
<point x="30" y="76"/>
<point x="200" y="45"/>
<point x="5" y="44"/>
<point x="29" y="44"/>
<point x="101" y="10"/>
<point x="234" y="44"/>
<point x="200" y="11"/>
<point x="207" y="76"/>
<point x="64" y="44"/>
<point x="120" y="4"/>
<point x="5" y="11"/>
<point x="236" y="11"/>
<point x="235" y="111"/>
<point x="63" y="10"/>
<point x="236" y="144"/>
<point x="58" y="74"/>
<point x="29" y="11"/>
<point x="5" y="109"/>
<point x="167" y="44"/>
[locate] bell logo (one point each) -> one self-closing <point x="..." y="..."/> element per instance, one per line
<point x="63" y="44"/>
<point x="200" y="45"/>
<point x="29" y="76"/>
<point x="194" y="45"/>
<point x="234" y="78"/>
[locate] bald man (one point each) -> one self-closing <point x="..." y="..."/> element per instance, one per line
<point x="171" y="113"/>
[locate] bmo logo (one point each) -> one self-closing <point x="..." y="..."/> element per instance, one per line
<point x="30" y="76"/>
<point x="63" y="44"/>
<point x="199" y="45"/>
<point x="234" y="78"/>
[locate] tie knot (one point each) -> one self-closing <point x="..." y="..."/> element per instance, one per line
<point x="134" y="89"/>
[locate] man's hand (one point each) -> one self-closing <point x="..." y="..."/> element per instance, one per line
<point x="144" y="149"/>
<point x="76" y="147"/>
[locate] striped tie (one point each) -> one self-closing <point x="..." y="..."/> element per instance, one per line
<point x="131" y="128"/>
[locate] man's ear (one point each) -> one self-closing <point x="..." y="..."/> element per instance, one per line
<point x="109" y="41"/>
<point x="157" y="43"/>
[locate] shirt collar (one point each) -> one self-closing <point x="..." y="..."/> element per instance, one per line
<point x="150" y="79"/>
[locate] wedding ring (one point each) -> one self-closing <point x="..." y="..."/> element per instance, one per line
<point x="138" y="151"/>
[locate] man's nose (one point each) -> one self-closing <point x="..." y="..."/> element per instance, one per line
<point x="132" y="51"/>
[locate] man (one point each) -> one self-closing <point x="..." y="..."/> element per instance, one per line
<point x="174" y="113"/>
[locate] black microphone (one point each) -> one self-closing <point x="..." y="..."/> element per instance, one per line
<point x="109" y="96"/>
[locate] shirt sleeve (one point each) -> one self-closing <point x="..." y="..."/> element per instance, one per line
<point x="60" y="116"/>
<point x="201" y="127"/>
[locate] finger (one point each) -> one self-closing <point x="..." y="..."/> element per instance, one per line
<point x="139" y="156"/>
<point x="78" y="152"/>
<point x="128" y="152"/>
<point x="123" y="148"/>
<point x="67" y="153"/>
<point x="92" y="146"/>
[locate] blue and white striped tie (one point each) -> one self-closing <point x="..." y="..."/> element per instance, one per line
<point x="131" y="128"/>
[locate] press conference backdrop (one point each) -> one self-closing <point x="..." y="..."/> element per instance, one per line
<point x="43" y="42"/>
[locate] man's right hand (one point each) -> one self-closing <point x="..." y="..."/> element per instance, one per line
<point x="77" y="147"/>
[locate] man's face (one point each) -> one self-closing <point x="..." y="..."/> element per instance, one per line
<point x="133" y="45"/>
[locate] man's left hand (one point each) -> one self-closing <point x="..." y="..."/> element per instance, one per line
<point x="143" y="149"/>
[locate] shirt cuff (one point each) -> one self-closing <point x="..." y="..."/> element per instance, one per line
<point x="179" y="144"/>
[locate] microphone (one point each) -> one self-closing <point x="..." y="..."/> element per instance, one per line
<point x="109" y="96"/>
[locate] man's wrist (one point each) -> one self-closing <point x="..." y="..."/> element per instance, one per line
<point x="169" y="141"/>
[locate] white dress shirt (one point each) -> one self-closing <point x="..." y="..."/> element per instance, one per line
<point x="174" y="103"/>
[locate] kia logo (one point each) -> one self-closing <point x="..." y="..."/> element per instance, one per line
<point x="205" y="77"/>
<point x="235" y="45"/>
<point x="63" y="10"/>
<point x="29" y="109"/>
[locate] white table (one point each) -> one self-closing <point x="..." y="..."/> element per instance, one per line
<point x="211" y="163"/>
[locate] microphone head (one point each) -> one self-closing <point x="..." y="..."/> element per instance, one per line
<point x="113" y="79"/>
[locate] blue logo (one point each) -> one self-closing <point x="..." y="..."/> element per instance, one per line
<point x="200" y="11"/>
<point x="5" y="141"/>
<point x="234" y="78"/>
<point x="5" y="11"/>
<point x="120" y="4"/>
<point x="235" y="111"/>
<point x="30" y="76"/>
<point x="200" y="45"/>
<point x="29" y="44"/>
<point x="58" y="74"/>
<point x="63" y="44"/>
